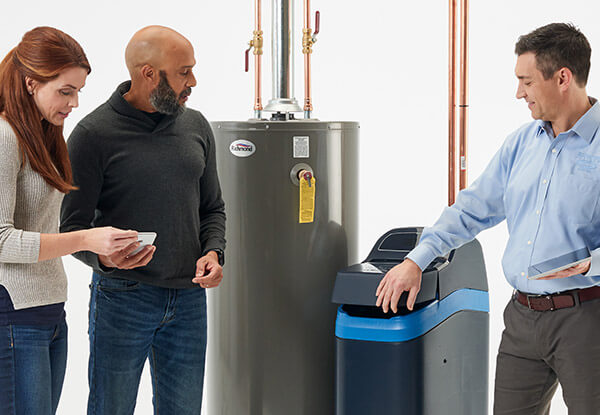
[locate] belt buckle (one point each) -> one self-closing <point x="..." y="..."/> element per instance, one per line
<point x="548" y="297"/>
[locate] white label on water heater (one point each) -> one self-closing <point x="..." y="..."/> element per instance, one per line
<point x="301" y="149"/>
<point x="242" y="148"/>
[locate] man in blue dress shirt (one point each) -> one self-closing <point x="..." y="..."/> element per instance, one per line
<point x="545" y="181"/>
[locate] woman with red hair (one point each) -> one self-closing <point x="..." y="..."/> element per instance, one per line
<point x="40" y="80"/>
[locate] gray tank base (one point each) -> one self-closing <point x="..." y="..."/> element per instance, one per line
<point x="271" y="322"/>
<point x="438" y="373"/>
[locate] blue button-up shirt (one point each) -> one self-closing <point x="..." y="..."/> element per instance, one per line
<point x="547" y="188"/>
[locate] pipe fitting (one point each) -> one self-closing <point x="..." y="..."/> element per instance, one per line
<point x="308" y="106"/>
<point x="307" y="40"/>
<point x="257" y="42"/>
<point x="296" y="171"/>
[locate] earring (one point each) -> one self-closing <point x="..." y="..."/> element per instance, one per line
<point x="30" y="92"/>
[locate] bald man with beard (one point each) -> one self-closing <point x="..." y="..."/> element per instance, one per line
<point x="144" y="161"/>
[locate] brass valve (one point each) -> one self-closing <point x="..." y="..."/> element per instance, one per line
<point x="307" y="41"/>
<point x="309" y="38"/>
<point x="257" y="44"/>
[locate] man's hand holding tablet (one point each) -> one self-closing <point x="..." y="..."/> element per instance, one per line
<point x="563" y="266"/>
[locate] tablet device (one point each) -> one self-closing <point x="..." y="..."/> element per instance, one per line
<point x="543" y="269"/>
<point x="144" y="238"/>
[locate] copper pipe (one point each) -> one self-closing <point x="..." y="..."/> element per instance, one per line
<point x="463" y="103"/>
<point x="452" y="104"/>
<point x="307" y="50"/>
<point x="257" y="59"/>
<point x="306" y="14"/>
<point x="257" y="85"/>
<point x="307" y="99"/>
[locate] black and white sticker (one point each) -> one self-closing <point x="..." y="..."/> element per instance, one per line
<point x="301" y="147"/>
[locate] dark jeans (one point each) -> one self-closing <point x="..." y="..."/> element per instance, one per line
<point x="540" y="349"/>
<point x="33" y="360"/>
<point x="131" y="322"/>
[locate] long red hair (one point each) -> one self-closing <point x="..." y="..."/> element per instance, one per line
<point x="41" y="55"/>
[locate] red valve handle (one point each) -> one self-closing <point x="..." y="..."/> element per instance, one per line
<point x="317" y="22"/>
<point x="308" y="175"/>
<point x="247" y="58"/>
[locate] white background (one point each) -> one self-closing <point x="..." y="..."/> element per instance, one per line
<point x="381" y="63"/>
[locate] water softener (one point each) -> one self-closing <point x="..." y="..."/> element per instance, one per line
<point x="429" y="361"/>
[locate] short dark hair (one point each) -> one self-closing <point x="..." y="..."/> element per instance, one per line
<point x="558" y="45"/>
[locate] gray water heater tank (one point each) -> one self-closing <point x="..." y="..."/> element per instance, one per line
<point x="271" y="348"/>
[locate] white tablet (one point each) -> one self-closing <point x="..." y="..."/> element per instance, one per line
<point x="558" y="264"/>
<point x="145" y="239"/>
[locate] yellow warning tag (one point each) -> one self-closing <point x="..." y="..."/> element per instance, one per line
<point x="307" y="200"/>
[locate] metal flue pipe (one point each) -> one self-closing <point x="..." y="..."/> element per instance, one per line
<point x="283" y="58"/>
<point x="282" y="44"/>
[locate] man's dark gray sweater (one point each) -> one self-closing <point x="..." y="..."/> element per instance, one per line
<point x="135" y="174"/>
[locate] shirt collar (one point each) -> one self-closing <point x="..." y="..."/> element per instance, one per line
<point x="585" y="127"/>
<point x="544" y="126"/>
<point x="123" y="107"/>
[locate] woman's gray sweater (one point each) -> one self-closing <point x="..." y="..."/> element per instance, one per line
<point x="28" y="207"/>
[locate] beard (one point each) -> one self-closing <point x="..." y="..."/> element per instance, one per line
<point x="164" y="99"/>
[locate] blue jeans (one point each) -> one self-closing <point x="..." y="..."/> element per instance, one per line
<point x="131" y="322"/>
<point x="33" y="360"/>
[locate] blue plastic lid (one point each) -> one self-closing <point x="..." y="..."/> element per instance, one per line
<point x="412" y="325"/>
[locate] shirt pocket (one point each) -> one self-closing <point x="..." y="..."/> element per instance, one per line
<point x="579" y="197"/>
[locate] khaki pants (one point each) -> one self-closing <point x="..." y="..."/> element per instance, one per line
<point x="540" y="349"/>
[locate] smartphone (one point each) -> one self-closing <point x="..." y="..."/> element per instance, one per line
<point x="144" y="238"/>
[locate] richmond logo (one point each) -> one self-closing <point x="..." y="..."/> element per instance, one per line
<point x="242" y="148"/>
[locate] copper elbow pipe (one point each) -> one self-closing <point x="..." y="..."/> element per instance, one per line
<point x="463" y="103"/>
<point x="307" y="50"/>
<point x="452" y="103"/>
<point x="257" y="59"/>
